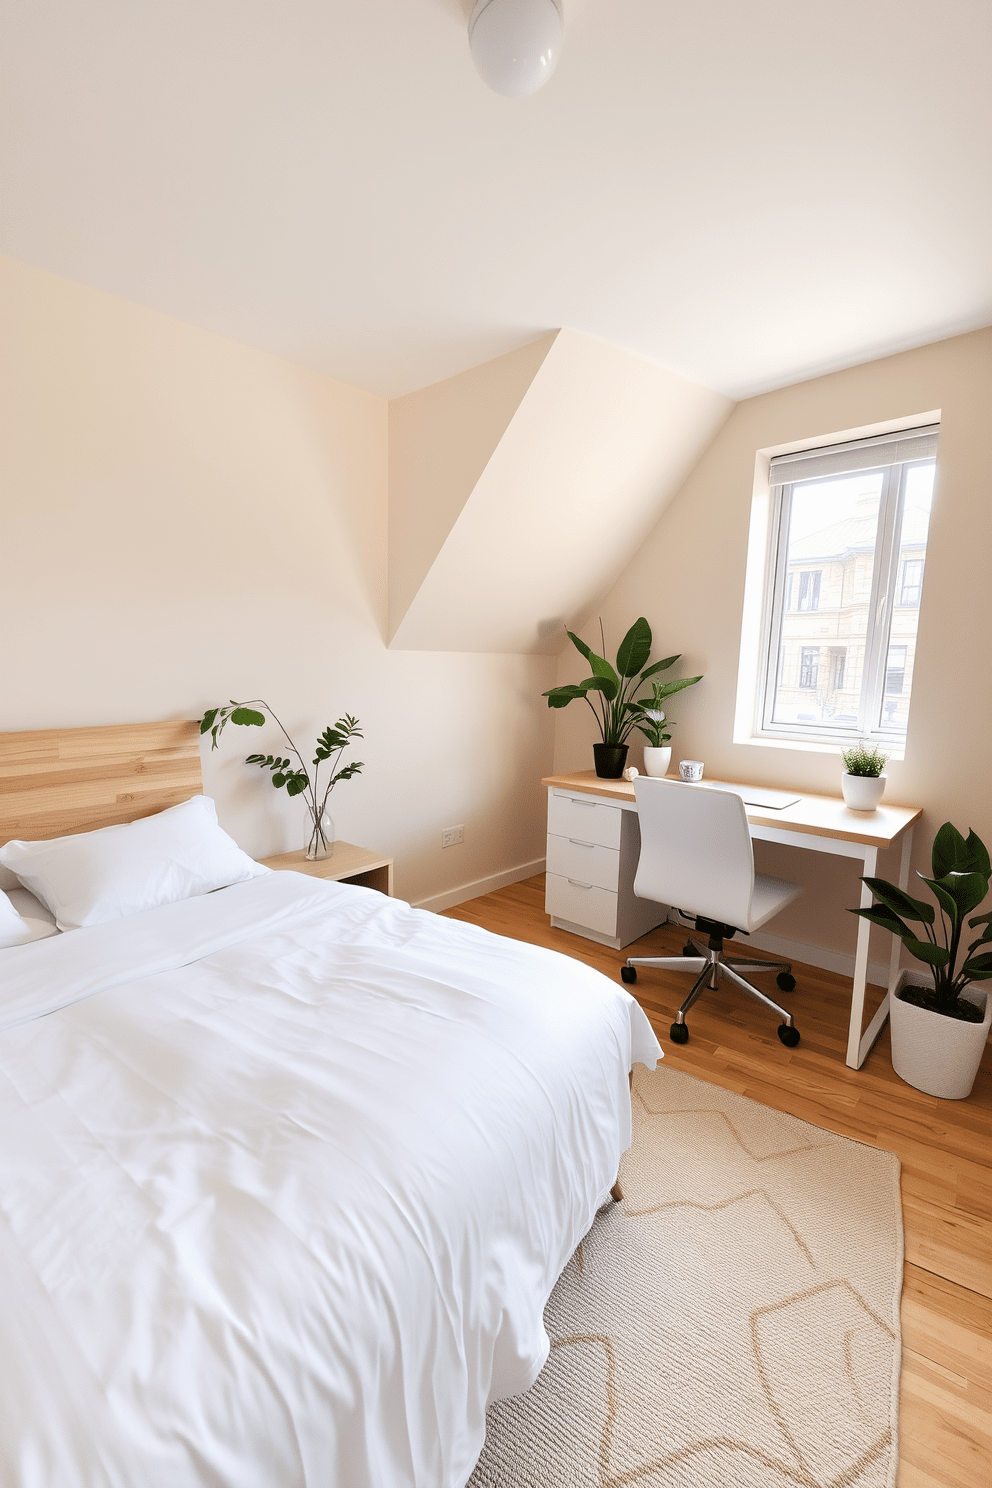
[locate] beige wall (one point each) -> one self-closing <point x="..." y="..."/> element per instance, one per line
<point x="688" y="579"/>
<point x="182" y="520"/>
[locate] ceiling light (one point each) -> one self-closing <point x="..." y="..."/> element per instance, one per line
<point x="515" y="44"/>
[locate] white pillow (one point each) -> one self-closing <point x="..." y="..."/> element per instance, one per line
<point x="39" y="920"/>
<point x="93" y="877"/>
<point x="13" y="930"/>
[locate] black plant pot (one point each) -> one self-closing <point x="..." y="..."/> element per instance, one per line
<point x="610" y="760"/>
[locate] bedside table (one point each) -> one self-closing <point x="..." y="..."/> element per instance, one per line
<point x="347" y="864"/>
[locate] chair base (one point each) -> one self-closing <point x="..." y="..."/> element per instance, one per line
<point x="714" y="966"/>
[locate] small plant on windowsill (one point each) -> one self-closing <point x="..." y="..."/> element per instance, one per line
<point x="295" y="779"/>
<point x="862" y="781"/>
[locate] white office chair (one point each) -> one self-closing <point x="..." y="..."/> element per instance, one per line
<point x="696" y="855"/>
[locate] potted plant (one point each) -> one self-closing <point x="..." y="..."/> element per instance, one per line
<point x="655" y="725"/>
<point x="939" y="1021"/>
<point x="862" y="781"/>
<point x="295" y="780"/>
<point x="615" y="689"/>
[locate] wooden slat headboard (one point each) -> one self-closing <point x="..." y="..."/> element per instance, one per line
<point x="57" y="781"/>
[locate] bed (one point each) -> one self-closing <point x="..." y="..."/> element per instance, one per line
<point x="289" y="1169"/>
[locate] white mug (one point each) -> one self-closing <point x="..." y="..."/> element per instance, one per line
<point x="691" y="769"/>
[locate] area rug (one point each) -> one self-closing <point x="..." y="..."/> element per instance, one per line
<point x="732" y="1323"/>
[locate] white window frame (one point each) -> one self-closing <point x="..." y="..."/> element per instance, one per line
<point x="892" y="454"/>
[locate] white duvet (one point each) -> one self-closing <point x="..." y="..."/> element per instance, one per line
<point x="287" y="1174"/>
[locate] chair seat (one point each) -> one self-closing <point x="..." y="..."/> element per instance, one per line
<point x="770" y="895"/>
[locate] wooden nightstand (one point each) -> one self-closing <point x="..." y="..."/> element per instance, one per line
<point x="347" y="864"/>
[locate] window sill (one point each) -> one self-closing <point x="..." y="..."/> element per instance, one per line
<point x="835" y="747"/>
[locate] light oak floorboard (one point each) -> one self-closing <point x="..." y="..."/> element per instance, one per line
<point x="945" y="1148"/>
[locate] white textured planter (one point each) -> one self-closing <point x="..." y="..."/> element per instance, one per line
<point x="862" y="792"/>
<point x="657" y="761"/>
<point x="937" y="1055"/>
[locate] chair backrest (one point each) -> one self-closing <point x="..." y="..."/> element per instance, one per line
<point x="695" y="850"/>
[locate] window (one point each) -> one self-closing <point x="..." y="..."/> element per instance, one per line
<point x="849" y="526"/>
<point x="912" y="582"/>
<point x="809" y="590"/>
<point x="809" y="666"/>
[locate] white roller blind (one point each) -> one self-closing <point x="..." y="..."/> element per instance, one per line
<point x="860" y="454"/>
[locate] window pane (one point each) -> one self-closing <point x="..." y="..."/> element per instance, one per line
<point x="831" y="560"/>
<point x="911" y="561"/>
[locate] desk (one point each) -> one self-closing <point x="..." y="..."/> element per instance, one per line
<point x="818" y="824"/>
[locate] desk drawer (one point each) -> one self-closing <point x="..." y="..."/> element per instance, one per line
<point x="592" y="907"/>
<point x="585" y="861"/>
<point x="585" y="819"/>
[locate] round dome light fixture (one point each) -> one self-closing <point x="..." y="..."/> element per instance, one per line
<point x="515" y="44"/>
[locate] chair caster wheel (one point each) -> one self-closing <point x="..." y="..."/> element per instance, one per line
<point x="789" y="1036"/>
<point x="628" y="974"/>
<point x="689" y="949"/>
<point x="786" y="981"/>
<point x="678" y="1033"/>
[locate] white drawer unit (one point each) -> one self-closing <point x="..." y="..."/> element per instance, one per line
<point x="593" y="846"/>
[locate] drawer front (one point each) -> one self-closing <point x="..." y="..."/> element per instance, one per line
<point x="584" y="861"/>
<point x="585" y="819"/>
<point x="594" y="908"/>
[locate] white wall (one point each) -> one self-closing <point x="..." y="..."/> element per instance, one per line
<point x="688" y="579"/>
<point x="184" y="520"/>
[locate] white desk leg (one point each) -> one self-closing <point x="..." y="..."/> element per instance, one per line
<point x="854" y="1058"/>
<point x="875" y="1026"/>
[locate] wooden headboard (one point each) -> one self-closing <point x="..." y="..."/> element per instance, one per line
<point x="57" y="781"/>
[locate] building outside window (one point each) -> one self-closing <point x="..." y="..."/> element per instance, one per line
<point x="809" y="666"/>
<point x="912" y="582"/>
<point x="809" y="590"/>
<point x="850" y="527"/>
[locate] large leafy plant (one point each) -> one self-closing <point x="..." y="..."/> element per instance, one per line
<point x="295" y="779"/>
<point x="960" y="882"/>
<point x="615" y="687"/>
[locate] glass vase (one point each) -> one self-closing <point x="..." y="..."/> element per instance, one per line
<point x="321" y="843"/>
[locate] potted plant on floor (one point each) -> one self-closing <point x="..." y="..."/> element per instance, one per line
<point x="939" y="1021"/>
<point x="615" y="689"/>
<point x="862" y="781"/>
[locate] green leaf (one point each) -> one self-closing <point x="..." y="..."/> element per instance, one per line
<point x="206" y="722"/>
<point x="296" y="785"/>
<point x="982" y="919"/>
<point x="666" y="689"/>
<point x="560" y="697"/>
<point x="279" y="780"/>
<point x="579" y="644"/>
<point x="608" y="686"/>
<point x="965" y="890"/>
<point x="888" y="921"/>
<point x="978" y="966"/>
<point x="602" y="668"/>
<point x="255" y="759"/>
<point x="634" y="649"/>
<point x="899" y="901"/>
<point x="977" y="857"/>
<point x="933" y="955"/>
<point x="660" y="666"/>
<point x="248" y="716"/>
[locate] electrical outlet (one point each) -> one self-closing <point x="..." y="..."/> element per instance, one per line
<point x="451" y="836"/>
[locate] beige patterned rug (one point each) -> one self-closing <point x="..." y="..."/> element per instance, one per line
<point x="734" y="1323"/>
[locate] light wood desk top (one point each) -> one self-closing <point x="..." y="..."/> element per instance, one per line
<point x="820" y="816"/>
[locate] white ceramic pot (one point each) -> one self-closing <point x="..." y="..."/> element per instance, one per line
<point x="862" y="792"/>
<point x="657" y="761"/>
<point x="937" y="1055"/>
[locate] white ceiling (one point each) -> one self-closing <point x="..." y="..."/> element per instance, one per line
<point x="745" y="191"/>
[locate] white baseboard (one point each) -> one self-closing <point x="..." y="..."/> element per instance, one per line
<point x="436" y="902"/>
<point x="842" y="962"/>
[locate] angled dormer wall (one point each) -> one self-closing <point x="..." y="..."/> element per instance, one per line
<point x="520" y="490"/>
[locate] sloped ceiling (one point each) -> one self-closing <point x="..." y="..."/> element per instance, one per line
<point x="499" y="536"/>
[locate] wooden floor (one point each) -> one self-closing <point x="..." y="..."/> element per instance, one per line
<point x="945" y="1148"/>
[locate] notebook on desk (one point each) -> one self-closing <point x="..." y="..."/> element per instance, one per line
<point x="757" y="795"/>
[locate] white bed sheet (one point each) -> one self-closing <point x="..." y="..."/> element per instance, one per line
<point x="287" y="1175"/>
